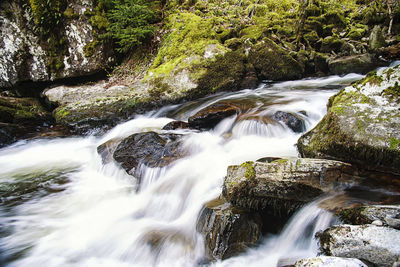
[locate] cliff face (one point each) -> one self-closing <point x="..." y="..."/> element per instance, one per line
<point x="43" y="42"/>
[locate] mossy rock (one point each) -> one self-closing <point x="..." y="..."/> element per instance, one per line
<point x="22" y="110"/>
<point x="271" y="62"/>
<point x="331" y="43"/>
<point x="361" y="125"/>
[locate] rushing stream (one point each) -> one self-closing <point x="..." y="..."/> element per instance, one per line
<point x="61" y="206"/>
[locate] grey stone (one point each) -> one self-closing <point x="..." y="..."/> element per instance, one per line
<point x="326" y="261"/>
<point x="377" y="244"/>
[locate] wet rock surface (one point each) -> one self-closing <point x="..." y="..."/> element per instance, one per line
<point x="227" y="230"/>
<point x="210" y="116"/>
<point x="293" y="121"/>
<point x="150" y="149"/>
<point x="174" y="125"/>
<point x="284" y="184"/>
<point x="361" y="125"/>
<point x="377" y="244"/>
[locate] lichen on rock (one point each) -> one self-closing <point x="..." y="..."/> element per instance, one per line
<point x="361" y="124"/>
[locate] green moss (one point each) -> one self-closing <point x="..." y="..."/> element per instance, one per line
<point x="394" y="143"/>
<point x="393" y="91"/>
<point x="250" y="170"/>
<point x="69" y="13"/>
<point x="90" y="48"/>
<point x="331" y="43"/>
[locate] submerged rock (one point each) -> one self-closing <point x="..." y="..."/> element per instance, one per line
<point x="388" y="215"/>
<point x="284" y="185"/>
<point x="150" y="149"/>
<point x="294" y="122"/>
<point x="210" y="116"/>
<point x="362" y="124"/>
<point x="326" y="261"/>
<point x="227" y="230"/>
<point x="377" y="244"/>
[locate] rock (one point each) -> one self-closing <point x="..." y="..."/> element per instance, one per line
<point x="149" y="149"/>
<point x="357" y="63"/>
<point x="387" y="215"/>
<point x="361" y="125"/>
<point x="21" y="118"/>
<point x="107" y="150"/>
<point x="22" y="111"/>
<point x="326" y="261"/>
<point x="391" y="53"/>
<point x="271" y="62"/>
<point x="283" y="185"/>
<point x="173" y="125"/>
<point x="377" y="244"/>
<point x="376" y="39"/>
<point x="94" y="105"/>
<point x="227" y="230"/>
<point x="28" y="55"/>
<point x="377" y="223"/>
<point x="210" y="116"/>
<point x="294" y="122"/>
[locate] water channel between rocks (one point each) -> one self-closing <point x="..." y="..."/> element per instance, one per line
<point x="61" y="206"/>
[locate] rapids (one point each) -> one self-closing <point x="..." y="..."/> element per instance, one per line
<point x="61" y="206"/>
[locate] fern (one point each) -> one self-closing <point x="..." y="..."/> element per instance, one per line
<point x="131" y="23"/>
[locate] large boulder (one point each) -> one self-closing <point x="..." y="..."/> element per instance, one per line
<point x="94" y="105"/>
<point x="283" y="185"/>
<point x="149" y="149"/>
<point x="227" y="230"/>
<point x="362" y="124"/>
<point x="36" y="48"/>
<point x="355" y="63"/>
<point x="377" y="244"/>
<point x="271" y="62"/>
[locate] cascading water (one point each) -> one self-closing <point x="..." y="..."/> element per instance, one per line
<point x="61" y="206"/>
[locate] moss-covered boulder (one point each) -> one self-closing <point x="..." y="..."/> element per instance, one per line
<point x="227" y="230"/>
<point x="356" y="63"/>
<point x="362" y="124"/>
<point x="272" y="62"/>
<point x="19" y="117"/>
<point x="283" y="185"/>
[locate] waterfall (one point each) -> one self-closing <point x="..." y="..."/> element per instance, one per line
<point x="62" y="206"/>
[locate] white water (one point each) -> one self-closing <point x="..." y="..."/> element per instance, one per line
<point x="98" y="218"/>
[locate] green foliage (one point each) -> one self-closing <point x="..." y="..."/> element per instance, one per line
<point x="47" y="14"/>
<point x="130" y="23"/>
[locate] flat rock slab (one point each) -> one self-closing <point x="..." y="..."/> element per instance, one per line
<point x="377" y="244"/>
<point x="284" y="184"/>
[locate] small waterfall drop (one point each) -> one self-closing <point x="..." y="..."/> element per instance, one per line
<point x="62" y="206"/>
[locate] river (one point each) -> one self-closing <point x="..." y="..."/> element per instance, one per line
<point x="61" y="206"/>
